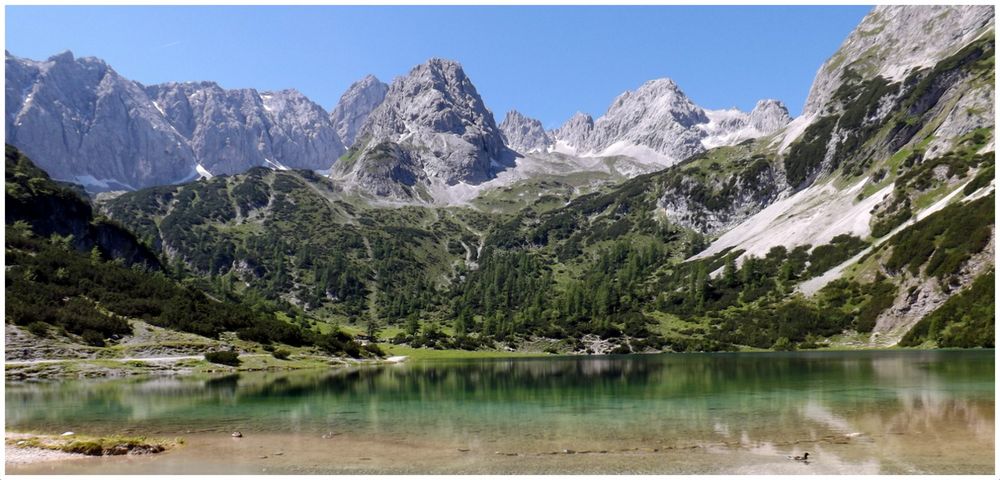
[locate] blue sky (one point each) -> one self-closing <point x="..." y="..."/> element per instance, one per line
<point x="547" y="62"/>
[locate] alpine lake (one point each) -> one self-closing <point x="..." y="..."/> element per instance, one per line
<point x="858" y="412"/>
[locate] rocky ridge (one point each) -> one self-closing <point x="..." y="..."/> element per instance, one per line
<point x="83" y="122"/>
<point x="232" y="130"/>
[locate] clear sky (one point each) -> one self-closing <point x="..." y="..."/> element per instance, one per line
<point x="547" y="62"/>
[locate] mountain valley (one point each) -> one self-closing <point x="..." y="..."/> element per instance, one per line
<point x="408" y="217"/>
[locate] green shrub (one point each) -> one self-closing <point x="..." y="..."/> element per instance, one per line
<point x="38" y="328"/>
<point x="966" y="320"/>
<point x="224" y="357"/>
<point x="281" y="354"/>
<point x="783" y="344"/>
<point x="93" y="338"/>
<point x="806" y="155"/>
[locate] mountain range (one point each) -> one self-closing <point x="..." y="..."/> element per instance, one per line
<point x="427" y="131"/>
<point x="659" y="225"/>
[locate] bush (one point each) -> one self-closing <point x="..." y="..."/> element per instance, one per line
<point x="782" y="345"/>
<point x="373" y="350"/>
<point x="281" y="354"/>
<point x="621" y="349"/>
<point x="38" y="329"/>
<point x="93" y="338"/>
<point x="223" y="358"/>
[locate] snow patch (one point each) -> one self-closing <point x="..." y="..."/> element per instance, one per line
<point x="202" y="171"/>
<point x="275" y="165"/>
<point x="564" y="148"/>
<point x="90" y="181"/>
<point x="641" y="153"/>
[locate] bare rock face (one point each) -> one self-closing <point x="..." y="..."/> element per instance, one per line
<point x="437" y="117"/>
<point x="524" y="134"/>
<point x="893" y="40"/>
<point x="82" y="122"/>
<point x="302" y="135"/>
<point x="232" y="131"/>
<point x="575" y="132"/>
<point x="389" y="171"/>
<point x="360" y="99"/>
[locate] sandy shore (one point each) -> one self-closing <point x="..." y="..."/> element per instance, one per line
<point x="22" y="455"/>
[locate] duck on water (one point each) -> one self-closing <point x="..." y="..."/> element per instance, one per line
<point x="800" y="458"/>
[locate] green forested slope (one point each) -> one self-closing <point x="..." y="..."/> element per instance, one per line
<point x="53" y="286"/>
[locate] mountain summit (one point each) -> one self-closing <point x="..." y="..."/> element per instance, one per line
<point x="659" y="123"/>
<point x="435" y="118"/>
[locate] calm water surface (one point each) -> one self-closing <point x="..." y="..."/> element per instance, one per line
<point x="855" y="412"/>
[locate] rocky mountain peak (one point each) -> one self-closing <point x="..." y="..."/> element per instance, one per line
<point x="659" y="124"/>
<point x="769" y="115"/>
<point x="655" y="98"/>
<point x="654" y="122"/>
<point x="435" y="113"/>
<point x="355" y="105"/>
<point x="524" y="134"/>
<point x="66" y="56"/>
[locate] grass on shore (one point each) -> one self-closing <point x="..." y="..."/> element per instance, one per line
<point x="430" y="354"/>
<point x="96" y="446"/>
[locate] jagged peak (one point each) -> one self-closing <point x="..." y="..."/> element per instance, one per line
<point x="442" y="63"/>
<point x="64" y="56"/>
<point x="364" y="82"/>
<point x="664" y="83"/>
<point x="442" y="72"/>
<point x="513" y="114"/>
<point x="578" y="117"/>
<point x="770" y="103"/>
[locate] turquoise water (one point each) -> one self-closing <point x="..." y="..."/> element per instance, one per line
<point x="856" y="412"/>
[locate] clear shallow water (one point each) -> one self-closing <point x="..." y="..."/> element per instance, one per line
<point x="856" y="412"/>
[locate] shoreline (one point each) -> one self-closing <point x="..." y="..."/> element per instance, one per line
<point x="81" y="368"/>
<point x="76" y="368"/>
